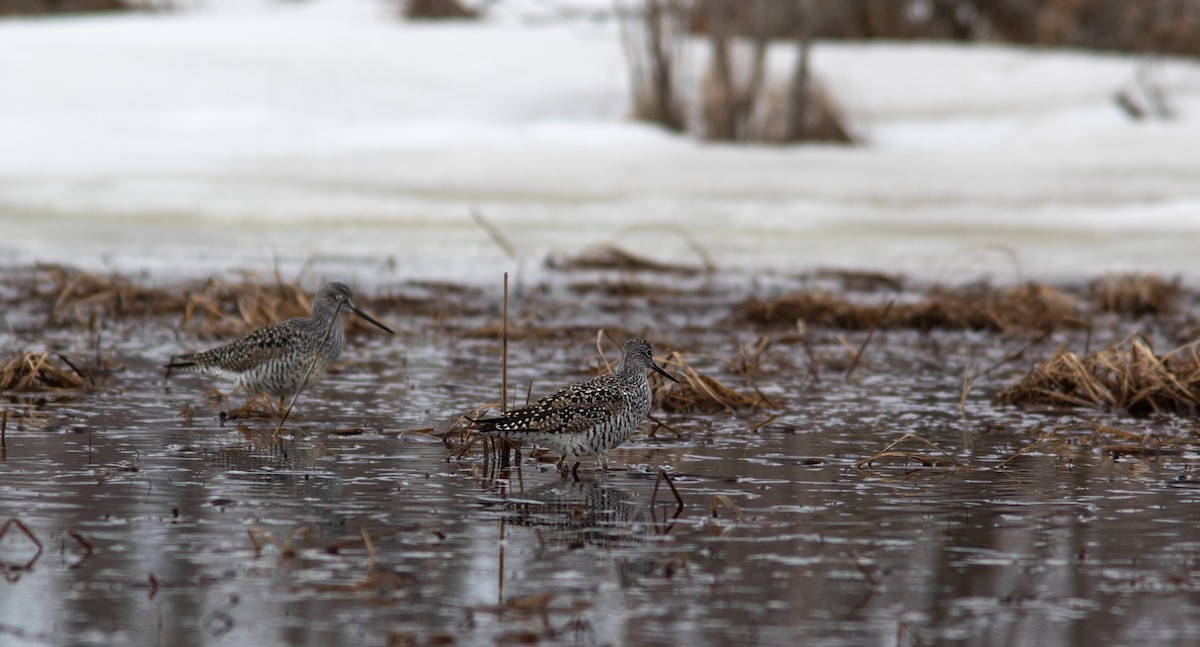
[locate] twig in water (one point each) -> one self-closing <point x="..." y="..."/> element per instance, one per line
<point x="721" y="499"/>
<point x="968" y="383"/>
<point x="878" y="322"/>
<point x="663" y="476"/>
<point x="14" y="522"/>
<point x="871" y="579"/>
<point x="1028" y="447"/>
<point x="925" y="460"/>
<point x="658" y="424"/>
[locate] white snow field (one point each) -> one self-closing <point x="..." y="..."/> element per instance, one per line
<point x="332" y="133"/>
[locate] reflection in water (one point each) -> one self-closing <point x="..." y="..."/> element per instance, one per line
<point x="583" y="513"/>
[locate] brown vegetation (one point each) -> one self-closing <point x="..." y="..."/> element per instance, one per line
<point x="1166" y="26"/>
<point x="1134" y="295"/>
<point x="1128" y="376"/>
<point x="735" y="99"/>
<point x="38" y="7"/>
<point x="437" y="9"/>
<point x="698" y="393"/>
<point x="1029" y="306"/>
<point x="610" y="257"/>
<point x="212" y="308"/>
<point x="29" y="371"/>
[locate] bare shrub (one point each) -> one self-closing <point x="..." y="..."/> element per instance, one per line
<point x="736" y="98"/>
<point x="437" y="9"/>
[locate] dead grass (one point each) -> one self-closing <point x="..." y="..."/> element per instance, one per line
<point x="219" y="308"/>
<point x="260" y="406"/>
<point x="611" y="257"/>
<point x="214" y="308"/>
<point x="437" y="10"/>
<point x="1028" y="306"/>
<point x="1134" y="295"/>
<point x="697" y="392"/>
<point x="862" y="280"/>
<point x="38" y="371"/>
<point x="75" y="297"/>
<point x="1127" y="375"/>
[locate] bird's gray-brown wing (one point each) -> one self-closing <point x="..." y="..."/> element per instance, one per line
<point x="575" y="408"/>
<point x="255" y="349"/>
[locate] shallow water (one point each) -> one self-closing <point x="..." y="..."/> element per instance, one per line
<point x="149" y="521"/>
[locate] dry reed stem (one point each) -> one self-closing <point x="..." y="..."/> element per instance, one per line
<point x="924" y="459"/>
<point x="664" y="476"/>
<point x="462" y="431"/>
<point x="871" y="334"/>
<point x="1028" y="447"/>
<point x="334" y="548"/>
<point x="495" y="234"/>
<point x="719" y="500"/>
<point x="259" y="406"/>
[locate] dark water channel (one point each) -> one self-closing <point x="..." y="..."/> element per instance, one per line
<point x="148" y="522"/>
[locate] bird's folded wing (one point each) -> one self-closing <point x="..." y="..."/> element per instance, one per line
<point x="255" y="349"/>
<point x="556" y="416"/>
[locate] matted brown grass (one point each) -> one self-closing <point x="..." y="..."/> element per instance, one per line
<point x="37" y="371"/>
<point x="77" y="297"/>
<point x="1028" y="306"/>
<point x="221" y="309"/>
<point x="214" y="308"/>
<point x="1134" y="294"/>
<point x="1128" y="375"/>
<point x="698" y="393"/>
<point x="611" y="257"/>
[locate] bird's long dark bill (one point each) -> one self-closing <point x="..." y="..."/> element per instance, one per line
<point x="370" y="320"/>
<point x="664" y="373"/>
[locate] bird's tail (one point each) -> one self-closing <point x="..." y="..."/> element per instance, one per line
<point x="180" y="363"/>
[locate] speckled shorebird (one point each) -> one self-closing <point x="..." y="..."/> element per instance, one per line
<point x="587" y="418"/>
<point x="284" y="358"/>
